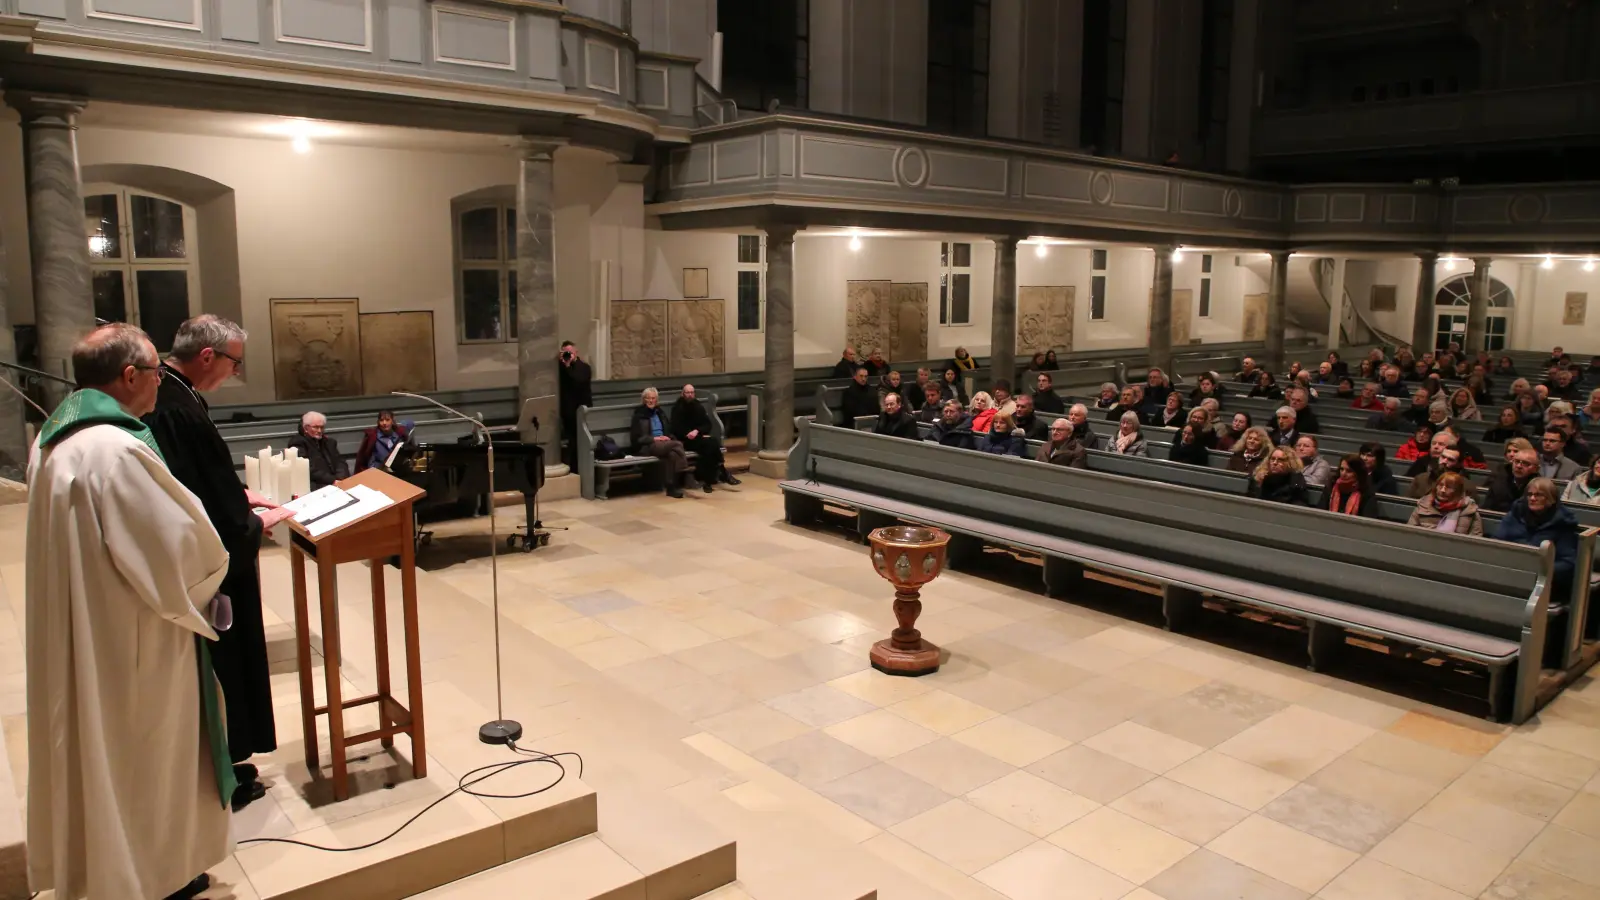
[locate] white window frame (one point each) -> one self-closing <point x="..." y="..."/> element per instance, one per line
<point x="1102" y="274"/>
<point x="130" y="265"/>
<point x="947" y="283"/>
<point x="505" y="265"/>
<point x="760" y="268"/>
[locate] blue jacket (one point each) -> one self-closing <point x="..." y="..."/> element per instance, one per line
<point x="1012" y="443"/>
<point x="959" y="435"/>
<point x="1559" y="528"/>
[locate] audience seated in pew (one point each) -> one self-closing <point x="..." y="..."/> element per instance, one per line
<point x="1078" y="416"/>
<point x="962" y="361"/>
<point x="1577" y="446"/>
<point x="1025" y="420"/>
<point x="1508" y="483"/>
<point x="983" y="412"/>
<point x="1448" y="507"/>
<point x="1045" y="398"/>
<point x="1585" y="486"/>
<point x="1229" y="432"/>
<point x="1127" y="402"/>
<point x="952" y="387"/>
<point x="1390" y="418"/>
<point x="1315" y="470"/>
<point x="1350" y="493"/>
<point x="320" y="451"/>
<point x="1530" y="411"/>
<point x="1284" y="432"/>
<point x="378" y="442"/>
<point x="1213" y="409"/>
<point x="1463" y="407"/>
<point x="1109" y="396"/>
<point x="1170" y="415"/>
<point x="1265" y="386"/>
<point x="692" y="426"/>
<point x="1416" y="447"/>
<point x="1369" y="399"/>
<point x="1505" y="368"/>
<point x="1251" y="451"/>
<point x="1341" y="369"/>
<point x="954" y="428"/>
<point x="1378" y="472"/>
<point x="919" y="391"/>
<point x="1003" y="439"/>
<point x="1156" y="390"/>
<point x="1446" y="458"/>
<point x="1247" y="373"/>
<point x="894" y="421"/>
<point x="1537" y="517"/>
<point x="1553" y="460"/>
<point x="1206" y="388"/>
<point x="890" y="383"/>
<point x="1062" y="447"/>
<point x="1000" y="394"/>
<point x="847" y="365"/>
<point x="876" y="365"/>
<point x="651" y="431"/>
<point x="1130" y="438"/>
<point x="1345" y="390"/>
<point x="1508" y="426"/>
<point x="1589" y="414"/>
<point x="1418" y="412"/>
<point x="1050" y="363"/>
<point x="1278" y="479"/>
<point x="1190" y="447"/>
<point x="932" y="404"/>
<point x="1305" y="418"/>
<point x="859" y="398"/>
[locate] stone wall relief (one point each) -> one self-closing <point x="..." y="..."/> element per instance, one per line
<point x="1576" y="309"/>
<point x="316" y="348"/>
<point x="1045" y="318"/>
<point x="695" y="339"/>
<point x="638" y="338"/>
<point x="908" y="322"/>
<point x="867" y="315"/>
<point x="1255" y="317"/>
<point x="1182" y="316"/>
<point x="397" y="352"/>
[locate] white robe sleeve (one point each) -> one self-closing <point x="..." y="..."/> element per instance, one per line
<point x="160" y="540"/>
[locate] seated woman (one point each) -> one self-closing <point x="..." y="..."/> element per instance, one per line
<point x="1228" y="437"/>
<point x="1251" y="450"/>
<point x="983" y="412"/>
<point x="1530" y="411"/>
<point x="1589" y="413"/>
<point x="1050" y="363"/>
<point x="1346" y="389"/>
<point x="1505" y="368"/>
<point x="1350" y="493"/>
<point x="1170" y="415"/>
<point x="377" y="443"/>
<point x="1278" y="479"/>
<point x="1313" y="468"/>
<point x="1417" y="447"/>
<point x="1509" y="426"/>
<point x="1341" y="369"/>
<point x="320" y="451"/>
<point x="1206" y="387"/>
<point x="1585" y="488"/>
<point x="1448" y="508"/>
<point x="1537" y="517"/>
<point x="894" y="421"/>
<point x="1003" y="439"/>
<point x="1378" y="473"/>
<point x="1129" y="441"/>
<point x="692" y="426"/>
<point x="1463" y="407"/>
<point x="1190" y="446"/>
<point x="962" y="361"/>
<point x="1036" y="364"/>
<point x="1108" y="396"/>
<point x="1266" y="386"/>
<point x="1127" y="401"/>
<point x="891" y="383"/>
<point x="1482" y="390"/>
<point x="953" y="387"/>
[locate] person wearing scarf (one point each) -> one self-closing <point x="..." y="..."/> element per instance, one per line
<point x="962" y="361"/>
<point x="1351" y="493"/>
<point x="1585" y="488"/>
<point x="1251" y="450"/>
<point x="1129" y="442"/>
<point x="1278" y="478"/>
<point x="1448" y="509"/>
<point x="1229" y="435"/>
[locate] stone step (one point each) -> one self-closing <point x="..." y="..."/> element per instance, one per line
<point x="582" y="869"/>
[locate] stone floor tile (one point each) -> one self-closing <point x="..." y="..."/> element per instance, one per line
<point x="814" y="758"/>
<point x="1090" y="773"/>
<point x="1467" y="737"/>
<point x="882" y="733"/>
<point x="652" y="675"/>
<point x="1178" y="809"/>
<point x="1581" y="814"/>
<point x="1415" y="759"/>
<point x="729" y="623"/>
<point x="994" y="691"/>
<point x="1295" y="742"/>
<point x="1183" y="717"/>
<point x="963" y="836"/>
<point x="830" y="628"/>
<point x="1203" y="875"/>
<point x="1441" y="858"/>
<point x="1514" y="790"/>
<point x="820" y="705"/>
<point x="1332" y="817"/>
<point x="1042" y="871"/>
<point x="1522" y="754"/>
<point x="1069" y="718"/>
<point x="608" y="653"/>
<point x="1459" y="813"/>
<point x="598" y="602"/>
<point x="1368" y="879"/>
<point x="774" y="643"/>
<point x="1122" y="845"/>
<point x="1011" y="741"/>
<point x="1031" y="803"/>
<point x="717" y="657"/>
<point x="1568" y="853"/>
<point x="1144" y="747"/>
<point x="880" y="689"/>
<point x="883" y="794"/>
<point x="951" y="767"/>
<point x="1524" y="881"/>
<point x="1562" y="734"/>
<point x="701" y="699"/>
<point x="764" y="679"/>
<point x="1237" y="782"/>
<point x="942" y="712"/>
<point x="752" y="727"/>
<point x="1287" y="854"/>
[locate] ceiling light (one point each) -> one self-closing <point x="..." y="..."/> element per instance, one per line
<point x="855" y="243"/>
<point x="301" y="144"/>
<point x="1177" y="254"/>
<point x="1589" y="265"/>
<point x="1449" y="263"/>
<point x="1041" y="250"/>
<point x="1549" y="263"/>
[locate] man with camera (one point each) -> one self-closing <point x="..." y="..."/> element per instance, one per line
<point x="576" y="390"/>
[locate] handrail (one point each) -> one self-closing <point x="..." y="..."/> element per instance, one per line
<point x="1351" y="314"/>
<point x="35" y="374"/>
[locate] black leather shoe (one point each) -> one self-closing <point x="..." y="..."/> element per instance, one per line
<point x="243" y="772"/>
<point x="727" y="477"/>
<point x="708" y="487"/>
<point x="675" y="492"/>
<point x="247" y="793"/>
<point x="193" y="889"/>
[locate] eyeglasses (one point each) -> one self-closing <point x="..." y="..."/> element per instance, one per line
<point x="237" y="362"/>
<point x="161" y="373"/>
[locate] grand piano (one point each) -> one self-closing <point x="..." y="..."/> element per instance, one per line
<point x="456" y="477"/>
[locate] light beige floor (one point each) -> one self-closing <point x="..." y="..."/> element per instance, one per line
<point x="1061" y="753"/>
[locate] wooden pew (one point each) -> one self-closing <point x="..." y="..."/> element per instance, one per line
<point x="594" y="475"/>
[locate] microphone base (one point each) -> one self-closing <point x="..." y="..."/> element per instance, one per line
<point x="500" y="731"/>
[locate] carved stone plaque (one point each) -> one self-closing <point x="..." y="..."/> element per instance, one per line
<point x="397" y="352"/>
<point x="1182" y="316"/>
<point x="867" y="315"/>
<point x="1045" y="318"/>
<point x="316" y="348"/>
<point x="1383" y="298"/>
<point x="1255" y="318"/>
<point x="695" y="339"/>
<point x="1576" y="309"/>
<point x="908" y="322"/>
<point x="638" y="338"/>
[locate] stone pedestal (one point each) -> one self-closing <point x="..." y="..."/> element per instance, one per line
<point x="62" y="301"/>
<point x="1422" y="324"/>
<point x="1003" y="316"/>
<point x="1277" y="297"/>
<point x="537" y="342"/>
<point x="777" y="399"/>
<point x="1161" y="312"/>
<point x="1478" y="307"/>
<point x="908" y="557"/>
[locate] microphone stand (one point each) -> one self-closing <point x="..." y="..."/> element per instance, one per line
<point x="502" y="730"/>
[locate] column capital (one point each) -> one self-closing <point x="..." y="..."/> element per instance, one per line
<point x="539" y="148"/>
<point x="1482" y="262"/>
<point x="781" y="233"/>
<point x="1010" y="241"/>
<point x="1280" y="254"/>
<point x="629" y="173"/>
<point x="58" y="110"/>
<point x="1428" y="256"/>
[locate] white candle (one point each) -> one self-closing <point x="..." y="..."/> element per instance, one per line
<point x="285" y="483"/>
<point x="302" y="477"/>
<point x="291" y="452"/>
<point x="252" y="473"/>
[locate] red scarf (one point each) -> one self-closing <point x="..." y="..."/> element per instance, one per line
<point x="1338" y="501"/>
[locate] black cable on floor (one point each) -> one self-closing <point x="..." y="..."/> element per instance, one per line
<point x="463" y="786"/>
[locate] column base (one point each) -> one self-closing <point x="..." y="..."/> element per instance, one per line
<point x="892" y="660"/>
<point x="775" y="465"/>
<point x="556" y="471"/>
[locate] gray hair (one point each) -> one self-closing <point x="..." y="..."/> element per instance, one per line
<point x="647" y="392"/>
<point x="1286" y="411"/>
<point x="1130" y="416"/>
<point x="102" y="355"/>
<point x="203" y="332"/>
<point x="313" y="418"/>
<point x="1108" y="386"/>
<point x="1210" y="404"/>
<point x="1391" y="403"/>
<point x="1078" y="406"/>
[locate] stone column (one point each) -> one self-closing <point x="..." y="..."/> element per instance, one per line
<point x="1161" y="311"/>
<point x="1478" y="306"/>
<point x="1277" y="297"/>
<point x="777" y="410"/>
<point x="1003" y="312"/>
<point x="62" y="302"/>
<point x="13" y="432"/>
<point x="1422" y="322"/>
<point x="537" y="340"/>
<point x="1336" y="304"/>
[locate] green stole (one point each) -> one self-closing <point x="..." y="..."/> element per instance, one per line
<point x="92" y="407"/>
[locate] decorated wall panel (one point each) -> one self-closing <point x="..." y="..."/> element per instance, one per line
<point x="908" y="322"/>
<point x="1182" y="316"/>
<point x="316" y="348"/>
<point x="638" y="338"/>
<point x="397" y="352"/>
<point x="695" y="337"/>
<point x="1255" y="317"/>
<point x="1045" y="316"/>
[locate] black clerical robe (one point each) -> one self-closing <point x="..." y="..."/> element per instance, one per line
<point x="198" y="458"/>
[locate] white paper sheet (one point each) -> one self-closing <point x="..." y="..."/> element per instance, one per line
<point x="368" y="501"/>
<point x="318" y="503"/>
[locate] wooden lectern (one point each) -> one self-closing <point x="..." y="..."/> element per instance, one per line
<point x="376" y="538"/>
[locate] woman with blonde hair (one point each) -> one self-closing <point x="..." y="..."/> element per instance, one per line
<point x="1251" y="449"/>
<point x="1590" y="413"/>
<point x="1129" y="440"/>
<point x="1448" y="508"/>
<point x="1462" y="406"/>
<point x="1278" y="478"/>
<point x="983" y="411"/>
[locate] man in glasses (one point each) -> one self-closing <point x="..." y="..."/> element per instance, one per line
<point x="206" y="352"/>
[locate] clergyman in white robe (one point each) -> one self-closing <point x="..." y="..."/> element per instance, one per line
<point x="123" y="798"/>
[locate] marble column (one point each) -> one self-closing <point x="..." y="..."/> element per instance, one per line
<point x="1477" y="306"/>
<point x="1160" y="339"/>
<point x="1336" y="304"/>
<point x="1277" y="298"/>
<point x="62" y="301"/>
<point x="537" y="342"/>
<point x="13" y="432"/>
<point x="777" y="411"/>
<point x="1003" y="312"/>
<point x="1422" y="323"/>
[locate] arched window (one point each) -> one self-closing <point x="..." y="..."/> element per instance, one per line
<point x="486" y="267"/>
<point x="142" y="257"/>
<point x="1450" y="312"/>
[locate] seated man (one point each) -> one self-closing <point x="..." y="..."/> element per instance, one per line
<point x="1079" y="417"/>
<point x="692" y="426"/>
<point x="1316" y="471"/>
<point x="1449" y="460"/>
<point x="1553" y="461"/>
<point x="1285" y="434"/>
<point x="1001" y="394"/>
<point x="1369" y="398"/>
<point x="1247" y="374"/>
<point x="1025" y="420"/>
<point x="1390" y="418"/>
<point x="1305" y="418"/>
<point x="652" y="436"/>
<point x="932" y="405"/>
<point x="1509" y="483"/>
<point x="1045" y="398"/>
<point x="859" y="399"/>
<point x="954" y="428"/>
<point x="847" y="364"/>
<point x="894" y="421"/>
<point x="876" y="365"/>
<point x="321" y="451"/>
<point x="1062" y="448"/>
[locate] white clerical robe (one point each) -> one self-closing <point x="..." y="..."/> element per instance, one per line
<point x="122" y="796"/>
